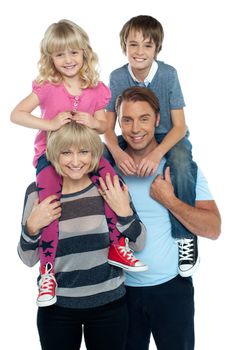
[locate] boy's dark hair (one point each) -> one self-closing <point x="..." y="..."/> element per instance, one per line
<point x="138" y="93"/>
<point x="150" y="28"/>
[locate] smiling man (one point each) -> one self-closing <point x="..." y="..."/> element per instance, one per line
<point x="160" y="301"/>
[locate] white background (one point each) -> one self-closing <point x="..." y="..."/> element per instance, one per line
<point x="198" y="42"/>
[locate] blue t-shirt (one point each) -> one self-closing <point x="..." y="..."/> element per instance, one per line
<point x="161" y="251"/>
<point x="165" y="85"/>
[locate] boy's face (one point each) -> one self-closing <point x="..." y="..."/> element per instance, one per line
<point x="140" y="53"/>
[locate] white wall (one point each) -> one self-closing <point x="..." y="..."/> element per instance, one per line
<point x="198" y="43"/>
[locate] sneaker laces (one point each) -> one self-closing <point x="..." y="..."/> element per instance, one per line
<point x="186" y="249"/>
<point x="47" y="281"/>
<point x="126" y="251"/>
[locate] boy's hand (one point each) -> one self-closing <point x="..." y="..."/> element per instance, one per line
<point x="125" y="163"/>
<point x="149" y="164"/>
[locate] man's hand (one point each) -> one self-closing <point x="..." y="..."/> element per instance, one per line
<point x="162" y="189"/>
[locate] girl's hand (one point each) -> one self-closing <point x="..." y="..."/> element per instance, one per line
<point x="115" y="195"/>
<point x="86" y="119"/>
<point x="60" y="119"/>
<point x="43" y="214"/>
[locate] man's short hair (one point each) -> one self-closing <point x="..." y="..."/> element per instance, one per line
<point x="135" y="94"/>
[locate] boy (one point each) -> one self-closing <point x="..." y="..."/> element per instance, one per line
<point x="141" y="41"/>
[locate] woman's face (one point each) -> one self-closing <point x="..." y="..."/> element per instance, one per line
<point x="75" y="163"/>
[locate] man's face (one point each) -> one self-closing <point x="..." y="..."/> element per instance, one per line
<point x="137" y="121"/>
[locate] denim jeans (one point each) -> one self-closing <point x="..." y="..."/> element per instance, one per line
<point x="166" y="311"/>
<point x="183" y="175"/>
<point x="184" y="178"/>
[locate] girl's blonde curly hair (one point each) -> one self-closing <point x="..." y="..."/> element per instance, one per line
<point x="58" y="37"/>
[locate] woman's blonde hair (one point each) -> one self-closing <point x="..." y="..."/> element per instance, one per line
<point x="58" y="37"/>
<point x="73" y="135"/>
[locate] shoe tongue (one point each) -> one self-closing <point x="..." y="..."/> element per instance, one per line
<point x="122" y="241"/>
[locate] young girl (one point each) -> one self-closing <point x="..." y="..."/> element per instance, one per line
<point x="67" y="88"/>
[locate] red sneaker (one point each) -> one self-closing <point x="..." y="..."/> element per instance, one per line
<point x="47" y="286"/>
<point x="122" y="256"/>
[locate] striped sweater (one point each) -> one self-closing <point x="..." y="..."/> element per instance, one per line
<point x="84" y="277"/>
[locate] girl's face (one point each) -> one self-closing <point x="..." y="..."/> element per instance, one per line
<point x="140" y="52"/>
<point x="74" y="163"/>
<point x="68" y="62"/>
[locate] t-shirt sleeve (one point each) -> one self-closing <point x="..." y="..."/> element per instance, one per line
<point x="41" y="90"/>
<point x="202" y="188"/>
<point x="175" y="92"/>
<point x="103" y="96"/>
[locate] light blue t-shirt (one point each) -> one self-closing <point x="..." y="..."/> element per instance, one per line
<point x="161" y="251"/>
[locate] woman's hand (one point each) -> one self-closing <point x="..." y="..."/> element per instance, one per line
<point x="43" y="214"/>
<point x="115" y="195"/>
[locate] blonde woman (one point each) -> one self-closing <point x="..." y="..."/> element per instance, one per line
<point x="90" y="292"/>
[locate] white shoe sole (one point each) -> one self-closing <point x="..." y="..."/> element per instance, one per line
<point x="191" y="271"/>
<point x="46" y="302"/>
<point x="128" y="268"/>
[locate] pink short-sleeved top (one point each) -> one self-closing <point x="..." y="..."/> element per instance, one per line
<point x="55" y="99"/>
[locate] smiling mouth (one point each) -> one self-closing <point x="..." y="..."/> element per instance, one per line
<point x="137" y="139"/>
<point x="137" y="59"/>
<point x="76" y="168"/>
<point x="70" y="67"/>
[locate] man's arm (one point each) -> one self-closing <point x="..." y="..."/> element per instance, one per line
<point x="203" y="219"/>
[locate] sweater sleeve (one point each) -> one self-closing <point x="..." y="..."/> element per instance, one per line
<point x="133" y="228"/>
<point x="28" y="245"/>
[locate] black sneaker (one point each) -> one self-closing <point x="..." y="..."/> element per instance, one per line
<point x="188" y="256"/>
